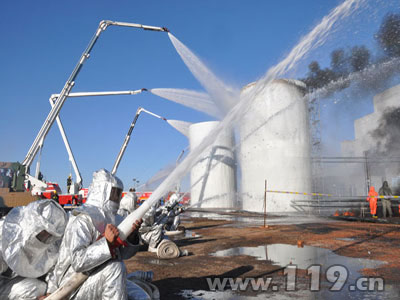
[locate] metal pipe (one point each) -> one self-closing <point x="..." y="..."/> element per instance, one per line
<point x="145" y="27"/>
<point x="153" y="114"/>
<point x="107" y="93"/>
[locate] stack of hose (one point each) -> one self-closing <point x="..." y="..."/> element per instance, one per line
<point x="168" y="249"/>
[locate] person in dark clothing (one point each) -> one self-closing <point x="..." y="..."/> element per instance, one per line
<point x="69" y="182"/>
<point x="386" y="203"/>
<point x="55" y="196"/>
<point x="40" y="176"/>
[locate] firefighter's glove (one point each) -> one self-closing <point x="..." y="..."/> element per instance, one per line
<point x="133" y="238"/>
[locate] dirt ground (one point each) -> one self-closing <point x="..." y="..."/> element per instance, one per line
<point x="361" y="240"/>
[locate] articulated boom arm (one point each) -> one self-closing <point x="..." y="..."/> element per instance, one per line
<point x="53" y="99"/>
<point x="70" y="83"/>
<point x="128" y="136"/>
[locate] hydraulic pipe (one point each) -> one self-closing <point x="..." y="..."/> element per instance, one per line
<point x="153" y="114"/>
<point x="70" y="83"/>
<point x="108" y="93"/>
<point x="126" y="141"/>
<point x="145" y="27"/>
<point x="128" y="136"/>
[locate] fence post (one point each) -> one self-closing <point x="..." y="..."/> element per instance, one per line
<point x="265" y="202"/>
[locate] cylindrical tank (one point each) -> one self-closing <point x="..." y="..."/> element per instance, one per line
<point x="275" y="146"/>
<point x="212" y="179"/>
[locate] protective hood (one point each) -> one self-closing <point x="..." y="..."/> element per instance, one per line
<point x="385" y="189"/>
<point x="385" y="184"/>
<point x="372" y="189"/>
<point x="98" y="204"/>
<point x="22" y="250"/>
<point x="128" y="202"/>
<point x="173" y="199"/>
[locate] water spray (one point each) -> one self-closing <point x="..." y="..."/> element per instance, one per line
<point x="199" y="101"/>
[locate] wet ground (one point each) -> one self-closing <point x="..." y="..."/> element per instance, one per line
<point x="294" y="254"/>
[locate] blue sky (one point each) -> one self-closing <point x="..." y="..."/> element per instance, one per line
<point x="42" y="42"/>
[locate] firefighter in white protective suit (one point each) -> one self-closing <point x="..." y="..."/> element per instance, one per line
<point x="91" y="244"/>
<point x="30" y="237"/>
<point x="172" y="212"/>
<point x="128" y="203"/>
<point x="158" y="219"/>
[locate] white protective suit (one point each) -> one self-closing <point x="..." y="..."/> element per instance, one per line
<point x="151" y="233"/>
<point x="173" y="211"/>
<point x="30" y="238"/>
<point x="83" y="249"/>
<point x="128" y="204"/>
<point x="157" y="219"/>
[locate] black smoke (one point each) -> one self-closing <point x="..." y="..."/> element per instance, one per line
<point x="388" y="35"/>
<point x="358" y="58"/>
<point x="387" y="134"/>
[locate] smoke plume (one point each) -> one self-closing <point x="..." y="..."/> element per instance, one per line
<point x="345" y="62"/>
<point x="387" y="134"/>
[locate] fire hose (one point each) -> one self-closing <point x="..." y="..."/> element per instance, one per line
<point x="125" y="229"/>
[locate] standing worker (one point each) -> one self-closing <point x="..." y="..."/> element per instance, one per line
<point x="373" y="201"/>
<point x="386" y="203"/>
<point x="69" y="182"/>
<point x="55" y="196"/>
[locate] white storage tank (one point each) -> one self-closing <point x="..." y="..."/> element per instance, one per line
<point x="275" y="146"/>
<point x="212" y="179"/>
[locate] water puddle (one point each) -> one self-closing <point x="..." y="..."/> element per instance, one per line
<point x="228" y="294"/>
<point x="284" y="255"/>
<point x="187" y="234"/>
<point x="160" y="262"/>
<point x="391" y="293"/>
<point x="346" y="239"/>
<point x="191" y="234"/>
<point x="257" y="220"/>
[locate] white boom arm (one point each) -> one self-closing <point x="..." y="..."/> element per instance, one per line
<point x="67" y="146"/>
<point x="70" y="83"/>
<point x="53" y="99"/>
<point x="128" y="136"/>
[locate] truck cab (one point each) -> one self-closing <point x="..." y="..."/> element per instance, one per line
<point x="12" y="187"/>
